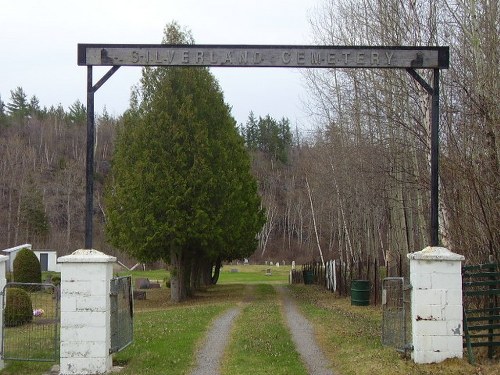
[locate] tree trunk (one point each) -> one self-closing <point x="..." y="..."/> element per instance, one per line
<point x="215" y="276"/>
<point x="178" y="287"/>
<point x="314" y="223"/>
<point x="196" y="279"/>
<point x="206" y="274"/>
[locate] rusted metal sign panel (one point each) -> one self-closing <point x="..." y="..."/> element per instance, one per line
<point x="262" y="56"/>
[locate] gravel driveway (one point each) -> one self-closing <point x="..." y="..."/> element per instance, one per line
<point x="212" y="349"/>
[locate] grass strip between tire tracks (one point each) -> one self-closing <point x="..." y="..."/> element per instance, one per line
<point x="260" y="341"/>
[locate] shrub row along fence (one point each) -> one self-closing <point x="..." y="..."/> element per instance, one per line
<point x="337" y="275"/>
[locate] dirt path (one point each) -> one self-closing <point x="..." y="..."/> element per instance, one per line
<point x="303" y="337"/>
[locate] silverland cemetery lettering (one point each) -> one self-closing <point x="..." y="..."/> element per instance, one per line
<point x="261" y="56"/>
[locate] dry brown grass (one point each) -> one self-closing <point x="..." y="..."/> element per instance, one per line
<point x="350" y="337"/>
<point x="159" y="299"/>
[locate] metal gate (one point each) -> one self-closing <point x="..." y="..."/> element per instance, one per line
<point x="396" y="322"/>
<point x="122" y="310"/>
<point x="31" y="322"/>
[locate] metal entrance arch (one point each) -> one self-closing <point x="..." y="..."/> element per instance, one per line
<point x="258" y="56"/>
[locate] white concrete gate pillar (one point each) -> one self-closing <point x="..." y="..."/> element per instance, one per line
<point x="85" y="312"/>
<point x="436" y="304"/>
<point x="3" y="282"/>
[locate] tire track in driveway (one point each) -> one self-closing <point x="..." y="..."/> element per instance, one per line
<point x="303" y="336"/>
<point x="208" y="357"/>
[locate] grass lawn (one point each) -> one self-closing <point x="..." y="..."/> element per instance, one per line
<point x="229" y="274"/>
<point x="254" y="274"/>
<point x="157" y="275"/>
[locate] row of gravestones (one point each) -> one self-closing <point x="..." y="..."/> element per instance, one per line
<point x="277" y="264"/>
<point x="141" y="285"/>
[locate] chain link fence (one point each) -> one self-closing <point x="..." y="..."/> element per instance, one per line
<point x="31" y="322"/>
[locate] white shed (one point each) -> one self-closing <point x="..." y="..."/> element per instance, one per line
<point x="48" y="260"/>
<point x="12" y="252"/>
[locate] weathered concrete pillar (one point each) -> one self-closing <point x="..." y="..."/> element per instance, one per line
<point x="85" y="312"/>
<point x="3" y="268"/>
<point x="436" y="304"/>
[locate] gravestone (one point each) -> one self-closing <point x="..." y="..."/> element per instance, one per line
<point x="142" y="283"/>
<point x="139" y="295"/>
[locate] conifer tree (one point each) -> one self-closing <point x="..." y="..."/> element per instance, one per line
<point x="18" y="105"/>
<point x="77" y="113"/>
<point x="3" y="114"/>
<point x="180" y="190"/>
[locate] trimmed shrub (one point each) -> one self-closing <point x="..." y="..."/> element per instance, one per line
<point x="27" y="268"/>
<point x="18" y="307"/>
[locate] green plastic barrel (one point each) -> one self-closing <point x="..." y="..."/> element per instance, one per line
<point x="360" y="292"/>
<point x="308" y="277"/>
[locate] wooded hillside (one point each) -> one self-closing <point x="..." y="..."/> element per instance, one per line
<point x="42" y="168"/>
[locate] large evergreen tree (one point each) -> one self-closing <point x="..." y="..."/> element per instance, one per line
<point x="182" y="189"/>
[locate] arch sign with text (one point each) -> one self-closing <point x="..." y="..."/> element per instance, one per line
<point x="265" y="56"/>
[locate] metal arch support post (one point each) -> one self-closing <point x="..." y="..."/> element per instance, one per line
<point x="89" y="168"/>
<point x="435" y="161"/>
<point x="434" y="92"/>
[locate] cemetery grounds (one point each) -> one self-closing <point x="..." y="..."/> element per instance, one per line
<point x="167" y="337"/>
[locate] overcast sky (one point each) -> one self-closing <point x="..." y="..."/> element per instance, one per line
<point x="38" y="41"/>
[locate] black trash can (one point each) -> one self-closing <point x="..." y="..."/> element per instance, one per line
<point x="308" y="277"/>
<point x="360" y="292"/>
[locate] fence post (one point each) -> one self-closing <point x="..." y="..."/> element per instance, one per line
<point x="85" y="312"/>
<point x="3" y="282"/>
<point x="436" y="304"/>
